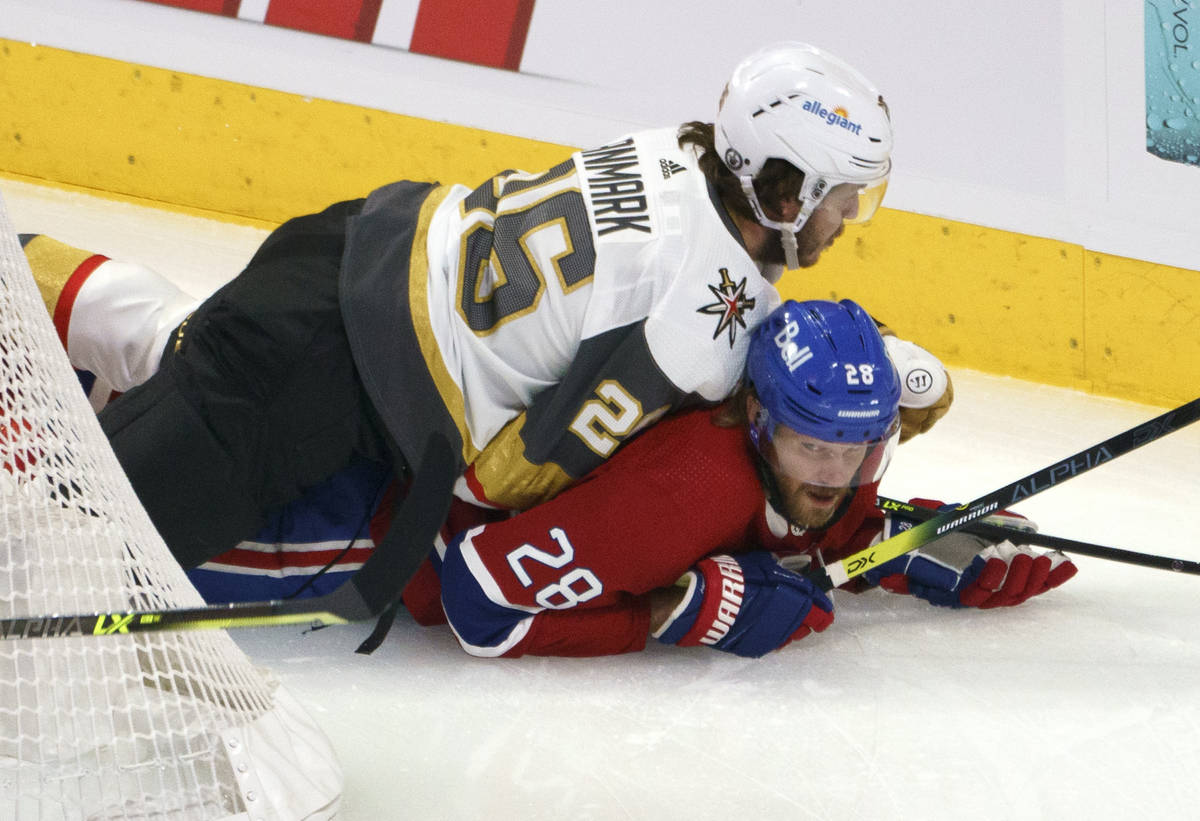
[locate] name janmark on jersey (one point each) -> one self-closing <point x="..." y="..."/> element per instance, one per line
<point x="618" y="195"/>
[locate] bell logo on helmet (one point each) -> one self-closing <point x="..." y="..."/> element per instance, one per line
<point x="838" y="116"/>
<point x="793" y="355"/>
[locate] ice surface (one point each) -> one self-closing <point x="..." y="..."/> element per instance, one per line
<point x="1084" y="703"/>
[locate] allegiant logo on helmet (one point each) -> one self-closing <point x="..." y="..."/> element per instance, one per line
<point x="836" y="117"/>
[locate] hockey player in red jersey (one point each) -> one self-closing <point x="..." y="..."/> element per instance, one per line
<point x="697" y="531"/>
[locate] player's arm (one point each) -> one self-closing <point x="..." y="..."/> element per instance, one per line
<point x="573" y="576"/>
<point x="114" y="318"/>
<point x="576" y="575"/>
<point x="926" y="388"/>
<point x="612" y="391"/>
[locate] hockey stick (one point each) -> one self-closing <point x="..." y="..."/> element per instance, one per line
<point x="370" y="591"/>
<point x="997" y="532"/>
<point x="840" y="572"/>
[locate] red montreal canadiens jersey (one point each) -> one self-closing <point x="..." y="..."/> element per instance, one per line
<point x="571" y="577"/>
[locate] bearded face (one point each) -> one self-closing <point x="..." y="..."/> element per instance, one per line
<point x="814" y="477"/>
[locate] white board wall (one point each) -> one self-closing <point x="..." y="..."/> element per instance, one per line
<point x="1027" y="117"/>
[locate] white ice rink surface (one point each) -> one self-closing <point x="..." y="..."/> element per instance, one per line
<point x="1082" y="704"/>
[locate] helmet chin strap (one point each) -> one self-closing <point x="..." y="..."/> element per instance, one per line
<point x="787" y="231"/>
<point x="791" y="256"/>
<point x="770" y="486"/>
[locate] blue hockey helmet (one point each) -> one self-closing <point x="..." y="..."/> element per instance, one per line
<point x="821" y="369"/>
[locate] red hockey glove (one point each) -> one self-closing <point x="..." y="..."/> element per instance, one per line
<point x="963" y="570"/>
<point x="747" y="604"/>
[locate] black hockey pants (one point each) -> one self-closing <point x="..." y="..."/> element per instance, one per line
<point x="256" y="399"/>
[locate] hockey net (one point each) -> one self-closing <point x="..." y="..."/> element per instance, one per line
<point x="126" y="726"/>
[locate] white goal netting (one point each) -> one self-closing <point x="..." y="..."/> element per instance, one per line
<point x="135" y="726"/>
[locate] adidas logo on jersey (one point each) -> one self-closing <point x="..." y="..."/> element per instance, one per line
<point x="670" y="167"/>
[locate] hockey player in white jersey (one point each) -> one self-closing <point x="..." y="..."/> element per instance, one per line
<point x="537" y="320"/>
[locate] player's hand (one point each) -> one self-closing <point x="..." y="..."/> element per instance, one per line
<point x="746" y="604"/>
<point x="964" y="570"/>
<point x="926" y="390"/>
<point x="921" y="420"/>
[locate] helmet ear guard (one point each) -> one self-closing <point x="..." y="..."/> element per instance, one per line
<point x="760" y="427"/>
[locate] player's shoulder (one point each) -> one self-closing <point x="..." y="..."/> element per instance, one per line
<point x="695" y="427"/>
<point x="646" y="163"/>
<point x="642" y="144"/>
<point x="692" y="447"/>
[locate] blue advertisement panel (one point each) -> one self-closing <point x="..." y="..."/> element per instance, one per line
<point x="1173" y="81"/>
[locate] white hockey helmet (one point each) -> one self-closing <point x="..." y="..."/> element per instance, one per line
<point x="797" y="103"/>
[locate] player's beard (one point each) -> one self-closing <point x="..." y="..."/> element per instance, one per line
<point x="812" y="506"/>
<point x="811" y="241"/>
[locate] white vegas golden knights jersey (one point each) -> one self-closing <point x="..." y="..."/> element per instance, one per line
<point x="599" y="295"/>
<point x="538" y="321"/>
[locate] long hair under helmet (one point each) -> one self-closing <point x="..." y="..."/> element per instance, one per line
<point x="821" y="369"/>
<point x="797" y="103"/>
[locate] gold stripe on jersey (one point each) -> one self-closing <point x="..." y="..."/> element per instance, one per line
<point x="53" y="263"/>
<point x="511" y="480"/>
<point x="418" y="306"/>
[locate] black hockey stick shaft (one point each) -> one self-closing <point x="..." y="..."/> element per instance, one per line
<point x="999" y="532"/>
<point x="371" y="590"/>
<point x="840" y="572"/>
